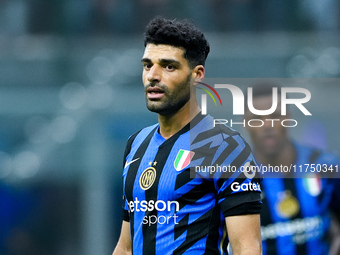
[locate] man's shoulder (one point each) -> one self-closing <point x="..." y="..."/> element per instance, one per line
<point x="208" y="127"/>
<point x="209" y="136"/>
<point x="141" y="134"/>
<point x="225" y="129"/>
<point x="316" y="155"/>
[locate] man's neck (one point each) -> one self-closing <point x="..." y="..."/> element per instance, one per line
<point x="285" y="157"/>
<point x="171" y="124"/>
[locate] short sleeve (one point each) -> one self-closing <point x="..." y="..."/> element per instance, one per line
<point x="125" y="206"/>
<point x="239" y="196"/>
<point x="333" y="162"/>
<point x="125" y="210"/>
<point x="238" y="191"/>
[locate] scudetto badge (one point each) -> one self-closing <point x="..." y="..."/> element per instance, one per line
<point x="147" y="178"/>
<point x="287" y="205"/>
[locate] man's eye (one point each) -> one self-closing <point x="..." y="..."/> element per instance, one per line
<point x="170" y="67"/>
<point x="147" y="66"/>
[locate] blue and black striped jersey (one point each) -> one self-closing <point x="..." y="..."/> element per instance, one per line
<point x="296" y="211"/>
<point x="173" y="205"/>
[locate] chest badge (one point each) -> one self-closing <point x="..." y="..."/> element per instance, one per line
<point x="183" y="159"/>
<point x="312" y="185"/>
<point x="287" y="205"/>
<point x="147" y="178"/>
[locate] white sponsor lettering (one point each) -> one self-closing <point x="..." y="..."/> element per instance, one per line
<point x="250" y="186"/>
<point x="302" y="230"/>
<point x="159" y="205"/>
<point x="153" y="219"/>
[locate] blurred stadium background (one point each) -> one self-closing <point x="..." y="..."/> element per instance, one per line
<point x="71" y="94"/>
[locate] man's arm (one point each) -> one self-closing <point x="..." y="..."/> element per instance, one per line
<point x="335" y="235"/>
<point x="244" y="232"/>
<point x="124" y="246"/>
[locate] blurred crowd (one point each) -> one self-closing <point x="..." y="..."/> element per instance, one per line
<point x="56" y="184"/>
<point x="74" y="17"/>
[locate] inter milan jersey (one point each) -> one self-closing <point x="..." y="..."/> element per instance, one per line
<point x="295" y="218"/>
<point x="174" y="205"/>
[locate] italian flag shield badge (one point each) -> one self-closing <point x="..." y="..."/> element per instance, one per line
<point x="183" y="159"/>
<point x="313" y="185"/>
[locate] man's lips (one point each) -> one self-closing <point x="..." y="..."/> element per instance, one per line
<point x="154" y="93"/>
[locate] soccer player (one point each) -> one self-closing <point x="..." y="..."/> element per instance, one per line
<point x="169" y="207"/>
<point x="296" y="211"/>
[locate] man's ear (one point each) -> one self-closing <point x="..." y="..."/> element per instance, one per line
<point x="198" y="73"/>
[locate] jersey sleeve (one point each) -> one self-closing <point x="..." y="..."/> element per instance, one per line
<point x="332" y="163"/>
<point x="238" y="193"/>
<point x="335" y="182"/>
<point x="336" y="197"/>
<point x="125" y="210"/>
<point x="125" y="206"/>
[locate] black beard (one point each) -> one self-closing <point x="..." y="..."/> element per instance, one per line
<point x="169" y="108"/>
<point x="173" y="102"/>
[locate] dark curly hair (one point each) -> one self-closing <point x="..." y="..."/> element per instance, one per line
<point x="179" y="33"/>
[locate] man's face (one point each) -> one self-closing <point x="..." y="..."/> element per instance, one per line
<point x="271" y="137"/>
<point x="166" y="78"/>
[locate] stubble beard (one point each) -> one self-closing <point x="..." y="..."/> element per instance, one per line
<point x="172" y="101"/>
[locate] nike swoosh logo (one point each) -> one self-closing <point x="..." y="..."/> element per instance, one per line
<point x="129" y="163"/>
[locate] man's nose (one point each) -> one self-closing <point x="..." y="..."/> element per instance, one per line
<point x="155" y="74"/>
